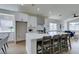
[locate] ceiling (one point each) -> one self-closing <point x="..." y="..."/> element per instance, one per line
<point x="53" y="11"/>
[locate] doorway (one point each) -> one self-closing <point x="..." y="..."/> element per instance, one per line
<point x="21" y="29"/>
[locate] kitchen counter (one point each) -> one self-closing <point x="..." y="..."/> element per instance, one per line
<point x="31" y="41"/>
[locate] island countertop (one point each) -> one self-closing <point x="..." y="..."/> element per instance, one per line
<point x="31" y="41"/>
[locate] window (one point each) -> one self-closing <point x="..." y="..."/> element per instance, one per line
<point x="6" y="23"/>
<point x="74" y="26"/>
<point x="52" y="27"/>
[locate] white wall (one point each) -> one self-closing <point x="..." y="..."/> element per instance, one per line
<point x="65" y="27"/>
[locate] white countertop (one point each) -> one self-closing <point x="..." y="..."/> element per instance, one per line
<point x="31" y="41"/>
<point x="33" y="36"/>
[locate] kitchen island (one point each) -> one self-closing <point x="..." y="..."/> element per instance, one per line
<point x="31" y="41"/>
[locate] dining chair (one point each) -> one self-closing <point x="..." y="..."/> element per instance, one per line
<point x="1" y="46"/>
<point x="3" y="41"/>
<point x="8" y="35"/>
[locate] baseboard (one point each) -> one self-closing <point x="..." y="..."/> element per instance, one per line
<point x="10" y="42"/>
<point x="16" y="41"/>
<point x="20" y="41"/>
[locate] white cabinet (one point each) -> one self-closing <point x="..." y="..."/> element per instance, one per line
<point x="17" y="17"/>
<point x="33" y="21"/>
<point x="24" y="17"/>
<point x="21" y="17"/>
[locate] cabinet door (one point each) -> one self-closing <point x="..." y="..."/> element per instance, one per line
<point x="21" y="17"/>
<point x="33" y="21"/>
<point x="18" y="17"/>
<point x="25" y="18"/>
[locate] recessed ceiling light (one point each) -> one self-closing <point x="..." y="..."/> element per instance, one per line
<point x="38" y="9"/>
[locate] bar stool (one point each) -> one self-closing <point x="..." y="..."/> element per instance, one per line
<point x="39" y="46"/>
<point x="69" y="41"/>
<point x="55" y="44"/>
<point x="64" y="43"/>
<point x="46" y="45"/>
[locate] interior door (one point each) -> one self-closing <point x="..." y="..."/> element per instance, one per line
<point x="21" y="29"/>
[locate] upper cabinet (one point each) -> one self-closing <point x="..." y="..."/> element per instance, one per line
<point x="32" y="21"/>
<point x="21" y="17"/>
<point x="40" y="20"/>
